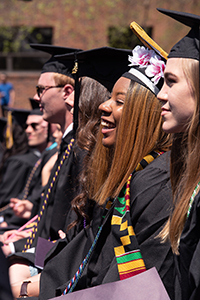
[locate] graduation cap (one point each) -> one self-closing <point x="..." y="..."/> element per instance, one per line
<point x="188" y="46"/>
<point x="147" y="64"/>
<point x="34" y="104"/>
<point x="20" y="116"/>
<point x="105" y="64"/>
<point x="53" y="65"/>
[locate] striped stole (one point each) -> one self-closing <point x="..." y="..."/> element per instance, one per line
<point x="128" y="256"/>
<point x="30" y="239"/>
<point x="126" y="248"/>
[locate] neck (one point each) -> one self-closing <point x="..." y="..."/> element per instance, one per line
<point x="41" y="147"/>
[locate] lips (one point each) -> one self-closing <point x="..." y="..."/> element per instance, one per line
<point x="164" y="111"/>
<point x="107" y="124"/>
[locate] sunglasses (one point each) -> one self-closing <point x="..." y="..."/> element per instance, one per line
<point x="33" y="125"/>
<point x="40" y="88"/>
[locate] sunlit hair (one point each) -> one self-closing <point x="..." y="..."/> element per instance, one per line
<point x="185" y="161"/>
<point x="61" y="79"/>
<point x="92" y="94"/>
<point x="139" y="132"/>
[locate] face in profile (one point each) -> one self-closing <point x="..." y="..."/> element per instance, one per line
<point x="178" y="103"/>
<point x="50" y="100"/>
<point x="112" y="110"/>
<point x="58" y="135"/>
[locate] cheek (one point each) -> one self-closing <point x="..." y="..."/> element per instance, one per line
<point x="118" y="115"/>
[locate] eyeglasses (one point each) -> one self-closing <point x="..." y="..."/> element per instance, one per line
<point x="40" y="88"/>
<point x="33" y="125"/>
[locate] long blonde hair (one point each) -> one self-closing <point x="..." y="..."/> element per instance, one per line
<point x="139" y="132"/>
<point x="185" y="162"/>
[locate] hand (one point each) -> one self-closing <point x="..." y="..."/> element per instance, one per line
<point x="16" y="235"/>
<point x="21" y="208"/>
<point x="6" y="235"/>
<point x="62" y="235"/>
<point x="6" y="250"/>
<point x="3" y="224"/>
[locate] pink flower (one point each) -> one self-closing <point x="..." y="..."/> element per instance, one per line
<point x="141" y="56"/>
<point x="155" y="69"/>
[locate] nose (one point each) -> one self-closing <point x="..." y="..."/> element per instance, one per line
<point x="106" y="107"/>
<point x="162" y="95"/>
<point x="36" y="98"/>
<point x="29" y="129"/>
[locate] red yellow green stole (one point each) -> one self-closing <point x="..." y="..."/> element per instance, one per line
<point x="126" y="248"/>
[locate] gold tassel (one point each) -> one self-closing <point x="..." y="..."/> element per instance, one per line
<point x="9" y="135"/>
<point x="146" y="40"/>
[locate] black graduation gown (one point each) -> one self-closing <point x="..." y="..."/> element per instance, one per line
<point x="188" y="262"/>
<point x="34" y="191"/>
<point x="16" y="171"/>
<point x="5" y="289"/>
<point x="64" y="191"/>
<point x="150" y="206"/>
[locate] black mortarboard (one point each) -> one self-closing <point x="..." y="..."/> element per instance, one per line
<point x="20" y="116"/>
<point x="36" y="111"/>
<point x="188" y="46"/>
<point x="53" y="65"/>
<point x="104" y="64"/>
<point x="34" y="104"/>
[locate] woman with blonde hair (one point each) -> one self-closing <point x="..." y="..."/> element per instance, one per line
<point x="180" y="112"/>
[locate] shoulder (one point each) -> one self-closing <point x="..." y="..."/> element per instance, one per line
<point x="28" y="158"/>
<point x="153" y="177"/>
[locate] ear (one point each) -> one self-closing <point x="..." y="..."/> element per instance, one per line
<point x="69" y="95"/>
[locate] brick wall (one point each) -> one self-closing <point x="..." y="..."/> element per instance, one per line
<point x="83" y="24"/>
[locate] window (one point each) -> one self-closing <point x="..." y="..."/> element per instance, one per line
<point x="123" y="37"/>
<point x="15" y="52"/>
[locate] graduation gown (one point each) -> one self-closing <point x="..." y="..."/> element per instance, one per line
<point x="34" y="191"/>
<point x="16" y="171"/>
<point x="150" y="207"/>
<point x="188" y="262"/>
<point x="5" y="289"/>
<point x="64" y="191"/>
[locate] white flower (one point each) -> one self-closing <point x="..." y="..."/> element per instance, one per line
<point x="155" y="69"/>
<point x="141" y="56"/>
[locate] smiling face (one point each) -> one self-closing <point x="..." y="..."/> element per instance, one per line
<point x="178" y="103"/>
<point x="37" y="131"/>
<point x="112" y="110"/>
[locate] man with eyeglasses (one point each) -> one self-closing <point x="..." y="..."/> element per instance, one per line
<point x="55" y="85"/>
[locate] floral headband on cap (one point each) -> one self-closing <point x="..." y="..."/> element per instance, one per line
<point x="148" y="68"/>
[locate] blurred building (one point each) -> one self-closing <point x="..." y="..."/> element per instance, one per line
<point x="83" y="24"/>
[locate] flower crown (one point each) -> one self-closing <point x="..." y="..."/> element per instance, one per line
<point x="145" y="58"/>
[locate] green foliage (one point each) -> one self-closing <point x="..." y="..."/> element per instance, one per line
<point x="15" y="39"/>
<point x="12" y="37"/>
<point x="123" y="37"/>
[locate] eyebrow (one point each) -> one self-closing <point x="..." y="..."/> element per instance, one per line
<point x="121" y="93"/>
<point x="169" y="74"/>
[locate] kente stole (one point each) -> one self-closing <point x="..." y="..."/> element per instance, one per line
<point x="128" y="256"/>
<point x="126" y="248"/>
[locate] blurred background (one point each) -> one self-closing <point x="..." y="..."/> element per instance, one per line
<point x="81" y="24"/>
